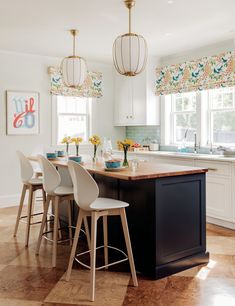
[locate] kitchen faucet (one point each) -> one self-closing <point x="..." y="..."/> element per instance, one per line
<point x="196" y="147"/>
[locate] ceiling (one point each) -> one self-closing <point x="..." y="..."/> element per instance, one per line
<point x="169" y="26"/>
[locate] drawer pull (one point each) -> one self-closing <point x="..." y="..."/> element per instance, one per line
<point x="212" y="169"/>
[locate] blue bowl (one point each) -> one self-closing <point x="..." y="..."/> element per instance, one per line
<point x="113" y="164"/>
<point x="77" y="159"/>
<point x="61" y="153"/>
<point x="52" y="155"/>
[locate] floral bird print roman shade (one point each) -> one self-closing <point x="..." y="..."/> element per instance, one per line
<point x="91" y="88"/>
<point x="205" y="73"/>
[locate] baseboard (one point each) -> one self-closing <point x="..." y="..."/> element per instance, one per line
<point x="219" y="222"/>
<point x="9" y="201"/>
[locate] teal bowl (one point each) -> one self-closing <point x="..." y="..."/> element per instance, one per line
<point x="61" y="153"/>
<point x="52" y="155"/>
<point x="77" y="159"/>
<point x="112" y="164"/>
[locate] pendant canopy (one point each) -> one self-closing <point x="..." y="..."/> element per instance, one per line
<point x="130" y="50"/>
<point x="73" y="68"/>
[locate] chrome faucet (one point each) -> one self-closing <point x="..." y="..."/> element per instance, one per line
<point x="196" y="146"/>
<point x="195" y="142"/>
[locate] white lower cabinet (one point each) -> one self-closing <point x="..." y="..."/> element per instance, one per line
<point x="219" y="198"/>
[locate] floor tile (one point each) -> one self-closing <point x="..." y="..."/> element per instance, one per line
<point x="9" y="251"/>
<point x="14" y="302"/>
<point x="180" y="291"/>
<point x="28" y="283"/>
<point x="214" y="230"/>
<point x="110" y="289"/>
<point x="221" y="245"/>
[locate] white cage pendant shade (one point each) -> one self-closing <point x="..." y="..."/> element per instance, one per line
<point x="73" y="68"/>
<point x="130" y="50"/>
<point x="130" y="54"/>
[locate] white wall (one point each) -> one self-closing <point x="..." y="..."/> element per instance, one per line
<point x="29" y="72"/>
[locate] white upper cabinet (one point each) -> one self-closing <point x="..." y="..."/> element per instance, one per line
<point x="135" y="100"/>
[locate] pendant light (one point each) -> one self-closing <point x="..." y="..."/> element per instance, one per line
<point x="73" y="68"/>
<point x="130" y="50"/>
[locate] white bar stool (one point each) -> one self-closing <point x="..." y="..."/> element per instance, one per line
<point x="31" y="184"/>
<point x="86" y="194"/>
<point x="56" y="193"/>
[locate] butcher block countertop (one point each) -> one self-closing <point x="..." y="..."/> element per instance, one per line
<point x="145" y="170"/>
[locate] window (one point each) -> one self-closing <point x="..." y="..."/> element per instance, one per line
<point x="183" y="117"/>
<point x="210" y="114"/>
<point x="71" y="117"/>
<point x="222" y="115"/>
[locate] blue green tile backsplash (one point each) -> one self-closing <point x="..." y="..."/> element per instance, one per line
<point x="143" y="134"/>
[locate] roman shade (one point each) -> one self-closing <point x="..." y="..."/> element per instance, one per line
<point x="91" y="88"/>
<point x="205" y="73"/>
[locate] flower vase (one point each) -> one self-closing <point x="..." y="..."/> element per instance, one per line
<point x="125" y="161"/>
<point x="67" y="150"/>
<point x="77" y="150"/>
<point x="94" y="155"/>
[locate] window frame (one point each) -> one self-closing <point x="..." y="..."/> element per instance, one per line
<point x="55" y="119"/>
<point x="204" y="113"/>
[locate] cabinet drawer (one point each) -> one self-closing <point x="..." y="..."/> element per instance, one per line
<point x="215" y="168"/>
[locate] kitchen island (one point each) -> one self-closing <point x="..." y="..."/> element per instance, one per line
<point x="166" y="216"/>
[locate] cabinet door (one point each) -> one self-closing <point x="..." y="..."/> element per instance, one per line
<point x="138" y="111"/>
<point x="219" y="198"/>
<point x="123" y="100"/>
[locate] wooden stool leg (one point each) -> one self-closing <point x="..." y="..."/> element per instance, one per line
<point x="55" y="231"/>
<point x="88" y="237"/>
<point x="30" y="203"/>
<point x="70" y="223"/>
<point x="105" y="230"/>
<point x="128" y="245"/>
<point x="44" y="198"/>
<point x="75" y="242"/>
<point x="20" y="209"/>
<point x="94" y="219"/>
<point x="43" y="223"/>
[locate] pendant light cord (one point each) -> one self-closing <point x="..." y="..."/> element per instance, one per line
<point x="130" y="20"/>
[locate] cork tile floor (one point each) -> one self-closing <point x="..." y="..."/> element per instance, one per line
<point x="27" y="280"/>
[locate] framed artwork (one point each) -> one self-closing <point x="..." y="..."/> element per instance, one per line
<point x="22" y="113"/>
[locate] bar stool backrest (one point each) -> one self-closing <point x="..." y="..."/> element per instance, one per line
<point x="51" y="177"/>
<point x="26" y="169"/>
<point x="85" y="188"/>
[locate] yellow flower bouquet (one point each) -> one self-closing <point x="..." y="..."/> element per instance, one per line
<point x="96" y="141"/>
<point x="77" y="141"/>
<point x="125" y="145"/>
<point x="67" y="140"/>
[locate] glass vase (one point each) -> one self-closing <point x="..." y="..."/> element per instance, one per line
<point x="125" y="161"/>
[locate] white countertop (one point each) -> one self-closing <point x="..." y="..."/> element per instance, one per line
<point x="212" y="157"/>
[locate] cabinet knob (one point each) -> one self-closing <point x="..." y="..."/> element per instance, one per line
<point x="127" y="117"/>
<point x="130" y="116"/>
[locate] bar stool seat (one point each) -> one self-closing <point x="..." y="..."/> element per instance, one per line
<point x="35" y="181"/>
<point x="63" y="190"/>
<point x="105" y="203"/>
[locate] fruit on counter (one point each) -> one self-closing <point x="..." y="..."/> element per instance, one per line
<point x="136" y="145"/>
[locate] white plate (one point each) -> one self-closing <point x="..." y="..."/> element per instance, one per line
<point x="115" y="169"/>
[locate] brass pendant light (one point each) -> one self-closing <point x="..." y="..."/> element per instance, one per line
<point x="130" y="50"/>
<point x="73" y="68"/>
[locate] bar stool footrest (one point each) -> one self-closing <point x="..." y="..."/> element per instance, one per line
<point x="104" y="266"/>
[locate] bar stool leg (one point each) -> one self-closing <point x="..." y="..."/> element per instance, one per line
<point x="43" y="223"/>
<point x="55" y="231"/>
<point x="30" y="203"/>
<point x="20" y="209"/>
<point x="88" y="237"/>
<point x="70" y="223"/>
<point x="94" y="219"/>
<point x="128" y="245"/>
<point x="44" y="198"/>
<point x="105" y="231"/>
<point x="75" y="242"/>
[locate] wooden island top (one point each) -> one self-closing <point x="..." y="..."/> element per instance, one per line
<point x="145" y="170"/>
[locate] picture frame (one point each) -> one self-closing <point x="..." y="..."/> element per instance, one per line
<point x="22" y="112"/>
